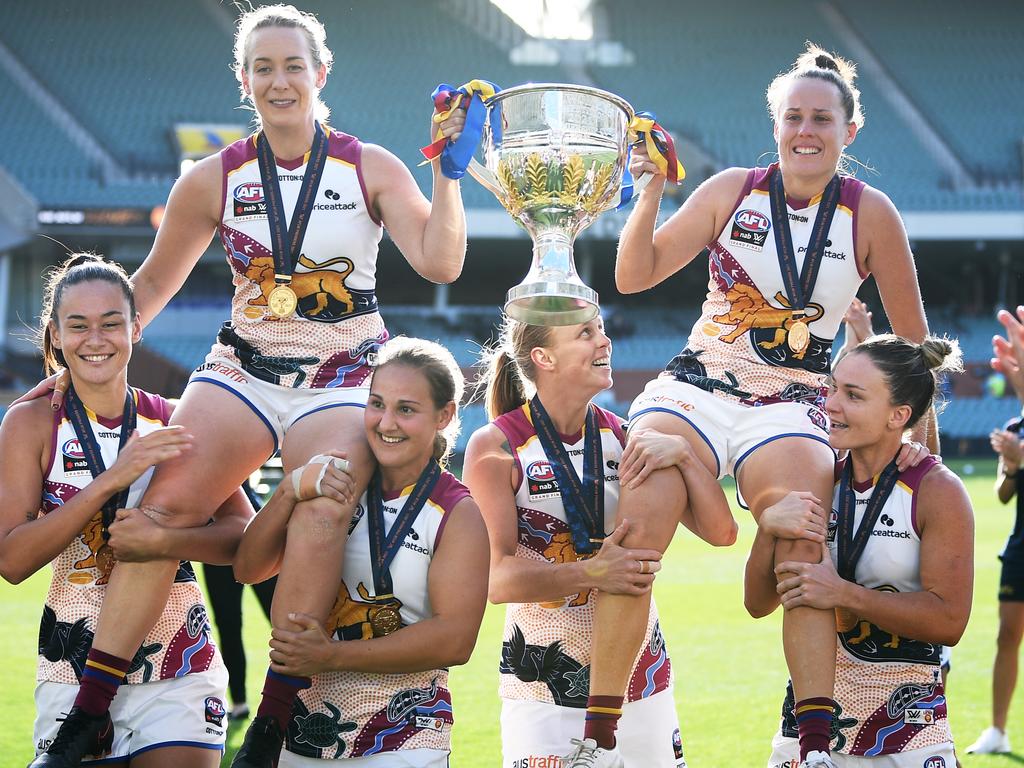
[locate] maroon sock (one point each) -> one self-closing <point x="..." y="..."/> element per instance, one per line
<point x="603" y="713"/>
<point x="101" y="677"/>
<point x="279" y="692"/>
<point x="814" y="722"/>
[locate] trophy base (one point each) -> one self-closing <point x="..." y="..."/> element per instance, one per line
<point x="552" y="303"/>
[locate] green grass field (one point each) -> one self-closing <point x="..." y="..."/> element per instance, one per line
<point x="729" y="670"/>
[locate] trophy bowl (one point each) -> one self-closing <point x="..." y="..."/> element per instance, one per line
<point x="554" y="155"/>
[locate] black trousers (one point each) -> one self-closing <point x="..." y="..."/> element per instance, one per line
<point x="226" y="604"/>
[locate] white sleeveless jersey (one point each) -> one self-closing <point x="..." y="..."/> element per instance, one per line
<point x="888" y="687"/>
<point x="546" y="652"/>
<point x="181" y="642"/>
<point x="738" y="346"/>
<point x="356" y="714"/>
<point x="336" y="322"/>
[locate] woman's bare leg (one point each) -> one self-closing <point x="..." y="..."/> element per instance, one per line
<point x="653" y="510"/>
<point x="808" y="635"/>
<point x="1004" y="670"/>
<point x="311" y="566"/>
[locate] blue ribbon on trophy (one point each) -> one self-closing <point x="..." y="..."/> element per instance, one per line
<point x="455" y="155"/>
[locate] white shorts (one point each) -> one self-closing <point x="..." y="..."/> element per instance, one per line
<point x="731" y="429"/>
<point x="278" y="407"/>
<point x="535" y="734"/>
<point x="402" y="758"/>
<point x="786" y="754"/>
<point x="184" y="711"/>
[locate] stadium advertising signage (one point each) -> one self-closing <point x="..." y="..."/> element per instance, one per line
<point x="108" y="218"/>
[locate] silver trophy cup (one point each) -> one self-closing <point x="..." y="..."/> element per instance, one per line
<point x="556" y="164"/>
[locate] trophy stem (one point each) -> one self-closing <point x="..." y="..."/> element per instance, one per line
<point x="552" y="293"/>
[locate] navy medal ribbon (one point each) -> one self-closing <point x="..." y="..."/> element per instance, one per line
<point x="799" y="287"/>
<point x="850" y="545"/>
<point x="286" y="242"/>
<point x="583" y="500"/>
<point x="79" y="419"/>
<point x="384" y="547"/>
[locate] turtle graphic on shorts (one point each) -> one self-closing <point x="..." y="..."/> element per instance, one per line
<point x="322" y="731"/>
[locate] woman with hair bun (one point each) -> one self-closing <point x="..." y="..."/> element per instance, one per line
<point x="412" y="590"/>
<point x="789" y="247"/>
<point x="547" y="472"/>
<point x="897" y="567"/>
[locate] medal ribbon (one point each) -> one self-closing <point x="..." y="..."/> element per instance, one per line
<point x="800" y="287"/>
<point x="286" y="243"/>
<point x="583" y="501"/>
<point x="661" y="148"/>
<point x="79" y="419"/>
<point x="851" y="546"/>
<point x="455" y="155"/>
<point x="384" y="547"/>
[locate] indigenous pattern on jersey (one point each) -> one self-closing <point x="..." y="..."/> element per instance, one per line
<point x="546" y="652"/>
<point x="181" y="642"/>
<point x="738" y="346"/>
<point x="888" y="688"/>
<point x="355" y="714"/>
<point x="325" y="343"/>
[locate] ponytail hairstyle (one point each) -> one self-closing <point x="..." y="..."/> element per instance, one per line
<point x="912" y="370"/>
<point x="444" y="378"/>
<point x="510" y="372"/>
<point x="286" y="17"/>
<point x="817" y="63"/>
<point x="77" y="268"/>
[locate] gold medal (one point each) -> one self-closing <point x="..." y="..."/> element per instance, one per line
<point x="282" y="301"/>
<point x="385" y="620"/>
<point x="105" y="560"/>
<point x="798" y="337"/>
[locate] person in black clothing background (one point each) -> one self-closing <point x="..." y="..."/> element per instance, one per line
<point x="1008" y="356"/>
<point x="226" y="606"/>
<point x="1006" y="442"/>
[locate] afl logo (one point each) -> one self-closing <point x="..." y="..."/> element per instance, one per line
<point x="73" y="449"/>
<point x="540" y="470"/>
<point x="936" y="761"/>
<point x="250" y="192"/>
<point x="752" y="221"/>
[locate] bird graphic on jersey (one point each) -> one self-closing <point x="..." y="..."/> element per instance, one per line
<point x="547" y="664"/>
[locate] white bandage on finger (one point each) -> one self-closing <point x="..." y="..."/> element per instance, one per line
<point x="312" y="474"/>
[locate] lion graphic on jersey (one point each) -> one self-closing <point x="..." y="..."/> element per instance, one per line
<point x="92" y="537"/>
<point x="320" y="283"/>
<point x="748" y="309"/>
<point x="561" y="550"/>
<point x="350" y="619"/>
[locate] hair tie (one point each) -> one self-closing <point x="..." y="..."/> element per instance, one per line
<point x="824" y="61"/>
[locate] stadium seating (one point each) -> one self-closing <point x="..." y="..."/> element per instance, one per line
<point x="714" y="96"/>
<point x="975" y="78"/>
<point x="171" y="64"/>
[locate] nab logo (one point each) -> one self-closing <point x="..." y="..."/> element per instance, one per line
<point x="540" y="470"/>
<point x="753" y="221"/>
<point x="73" y="449"/>
<point x="250" y="192"/>
<point x="935" y="762"/>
